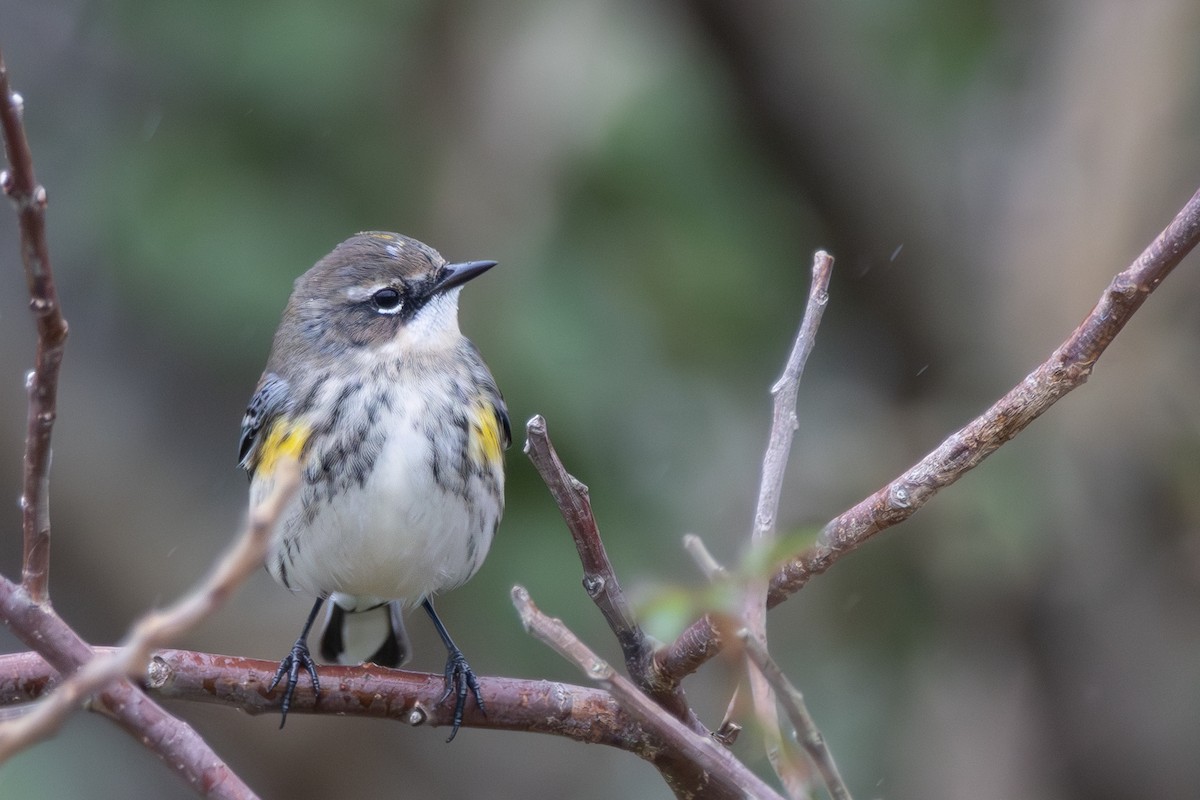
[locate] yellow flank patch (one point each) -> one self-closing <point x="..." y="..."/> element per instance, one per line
<point x="286" y="438"/>
<point x="485" y="435"/>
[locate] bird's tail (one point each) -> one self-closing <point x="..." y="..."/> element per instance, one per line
<point x="348" y="637"/>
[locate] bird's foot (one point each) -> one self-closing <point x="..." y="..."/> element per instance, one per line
<point x="459" y="678"/>
<point x="290" y="666"/>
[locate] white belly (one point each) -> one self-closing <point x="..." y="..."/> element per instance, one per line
<point x="403" y="534"/>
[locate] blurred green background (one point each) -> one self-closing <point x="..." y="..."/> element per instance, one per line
<point x="653" y="178"/>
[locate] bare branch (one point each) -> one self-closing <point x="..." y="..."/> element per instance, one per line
<point x="580" y="713"/>
<point x="721" y="774"/>
<point x="784" y="422"/>
<point x="792" y="771"/>
<point x="599" y="577"/>
<point x="21" y="186"/>
<point x="1066" y="369"/>
<point x="793" y="703"/>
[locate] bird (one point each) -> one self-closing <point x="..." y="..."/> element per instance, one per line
<point x="400" y="431"/>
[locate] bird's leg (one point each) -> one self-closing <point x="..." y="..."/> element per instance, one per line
<point x="293" y="661"/>
<point x="459" y="676"/>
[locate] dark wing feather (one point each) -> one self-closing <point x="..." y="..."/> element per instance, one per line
<point x="266" y="404"/>
<point x="502" y="418"/>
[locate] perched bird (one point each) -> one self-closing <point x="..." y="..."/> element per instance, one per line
<point x="400" y="432"/>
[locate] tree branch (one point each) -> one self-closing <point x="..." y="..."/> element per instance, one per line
<point x="29" y="198"/>
<point x="1066" y="369"/>
<point x="792" y="771"/>
<point x="578" y="713"/>
<point x="703" y="766"/>
<point x="599" y="577"/>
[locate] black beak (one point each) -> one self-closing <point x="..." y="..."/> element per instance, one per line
<point x="458" y="274"/>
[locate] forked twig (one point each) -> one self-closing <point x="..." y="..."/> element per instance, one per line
<point x="1066" y="369"/>
<point x="172" y="740"/>
<point x="25" y="608"/>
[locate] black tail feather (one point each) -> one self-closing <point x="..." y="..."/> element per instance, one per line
<point x="392" y="652"/>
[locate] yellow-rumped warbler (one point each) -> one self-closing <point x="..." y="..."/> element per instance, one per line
<point x="400" y="432"/>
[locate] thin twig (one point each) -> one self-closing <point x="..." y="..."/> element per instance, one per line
<point x="156" y="629"/>
<point x="729" y="730"/>
<point x="723" y="774"/>
<point x="1066" y="369"/>
<point x="783" y="420"/>
<point x="599" y="577"/>
<point x="793" y="703"/>
<point x="792" y="770"/>
<point x="29" y="198"/>
<point x="761" y="661"/>
<point x="713" y="570"/>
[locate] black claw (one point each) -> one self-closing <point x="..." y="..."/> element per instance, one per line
<point x="460" y="677"/>
<point x="290" y="666"/>
<point x="291" y="663"/>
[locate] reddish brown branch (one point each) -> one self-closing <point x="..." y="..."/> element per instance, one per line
<point x="1066" y="369"/>
<point x="579" y="713"/>
<point x="599" y="577"/>
<point x="19" y="183"/>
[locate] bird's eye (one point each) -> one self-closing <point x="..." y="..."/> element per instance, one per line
<point x="386" y="300"/>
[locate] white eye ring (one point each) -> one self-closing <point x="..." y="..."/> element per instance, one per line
<point x="387" y="300"/>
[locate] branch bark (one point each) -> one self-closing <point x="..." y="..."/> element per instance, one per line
<point x="579" y="713"/>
